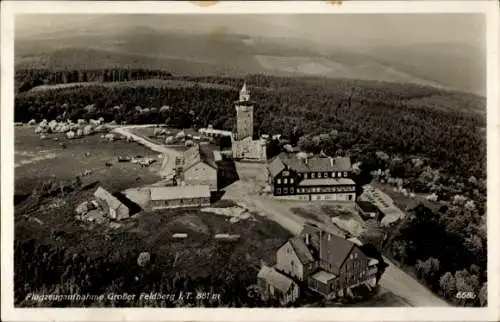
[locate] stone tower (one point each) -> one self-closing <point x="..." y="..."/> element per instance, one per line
<point x="244" y="115"/>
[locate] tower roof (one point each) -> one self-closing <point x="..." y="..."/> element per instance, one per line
<point x="244" y="93"/>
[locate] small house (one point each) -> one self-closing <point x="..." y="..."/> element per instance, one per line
<point x="179" y="197"/>
<point x="366" y="209"/>
<point x="111" y="205"/>
<point x="277" y="286"/>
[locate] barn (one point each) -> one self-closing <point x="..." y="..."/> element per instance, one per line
<point x="179" y="197"/>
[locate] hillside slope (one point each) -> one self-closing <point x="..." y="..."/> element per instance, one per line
<point x="221" y="52"/>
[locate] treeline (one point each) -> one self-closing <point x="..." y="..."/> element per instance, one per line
<point x="446" y="250"/>
<point x="26" y="79"/>
<point x="52" y="269"/>
<point x="365" y="117"/>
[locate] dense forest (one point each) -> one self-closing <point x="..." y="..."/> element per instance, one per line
<point x="433" y="140"/>
<point x="58" y="270"/>
<point x="367" y="116"/>
<point x="26" y="79"/>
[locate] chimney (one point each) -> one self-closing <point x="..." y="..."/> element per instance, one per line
<point x="332" y="161"/>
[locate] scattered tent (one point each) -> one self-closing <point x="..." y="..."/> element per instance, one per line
<point x="180" y="135"/>
<point x="70" y="135"/>
<point x="169" y="140"/>
<point x="87" y="130"/>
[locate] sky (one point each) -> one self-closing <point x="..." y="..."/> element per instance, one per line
<point x="339" y="29"/>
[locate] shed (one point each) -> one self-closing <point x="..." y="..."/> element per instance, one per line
<point x="111" y="205"/>
<point x="275" y="285"/>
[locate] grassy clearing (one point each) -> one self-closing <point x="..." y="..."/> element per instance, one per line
<point x="406" y="203"/>
<point x="72" y="160"/>
<point x="153" y="231"/>
<point x="159" y="83"/>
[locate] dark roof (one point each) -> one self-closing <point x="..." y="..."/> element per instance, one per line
<point x="313" y="164"/>
<point x="106" y="196"/>
<point x="207" y="154"/>
<point x="301" y="249"/>
<point x="199" y="153"/>
<point x="276" y="166"/>
<point x="367" y="206"/>
<point x="339" y="248"/>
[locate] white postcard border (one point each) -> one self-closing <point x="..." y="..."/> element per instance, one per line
<point x="9" y="9"/>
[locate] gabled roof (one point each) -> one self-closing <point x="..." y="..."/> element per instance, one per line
<point x="276" y="166"/>
<point x="319" y="163"/>
<point x="199" y="153"/>
<point x="300" y="248"/>
<point x="111" y="200"/>
<point x="312" y="164"/>
<point x="275" y="278"/>
<point x="339" y="248"/>
<point x="366" y="206"/>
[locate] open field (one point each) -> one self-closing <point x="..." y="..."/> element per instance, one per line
<point x="47" y="158"/>
<point x="331" y="68"/>
<point x="406" y="202"/>
<point x="200" y="254"/>
<point x="158" y="83"/>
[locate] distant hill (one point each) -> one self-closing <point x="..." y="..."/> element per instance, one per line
<point x="223" y="53"/>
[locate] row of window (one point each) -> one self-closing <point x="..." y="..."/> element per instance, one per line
<point x="286" y="191"/>
<point x="291" y="190"/>
<point x="285" y="181"/>
<point x="314" y="175"/>
<point x="185" y="201"/>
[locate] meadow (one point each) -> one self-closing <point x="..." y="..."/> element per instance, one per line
<point x="78" y="155"/>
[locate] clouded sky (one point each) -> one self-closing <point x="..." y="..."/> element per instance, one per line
<point x="347" y="30"/>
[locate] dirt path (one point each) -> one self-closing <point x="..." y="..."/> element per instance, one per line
<point x="399" y="283"/>
<point x="125" y="131"/>
<point x="169" y="154"/>
<point x="246" y="193"/>
<point x="394" y="280"/>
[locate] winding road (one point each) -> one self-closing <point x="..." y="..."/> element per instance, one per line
<point x="394" y="280"/>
